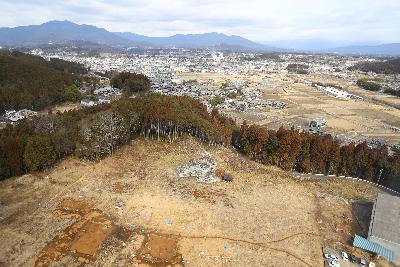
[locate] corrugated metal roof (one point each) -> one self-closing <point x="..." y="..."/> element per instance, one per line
<point x="367" y="245"/>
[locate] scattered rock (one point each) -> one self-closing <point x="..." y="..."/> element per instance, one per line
<point x="120" y="203"/>
<point x="203" y="168"/>
<point x="83" y="260"/>
<point x="227" y="178"/>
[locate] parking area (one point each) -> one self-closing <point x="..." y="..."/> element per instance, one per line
<point x="335" y="259"/>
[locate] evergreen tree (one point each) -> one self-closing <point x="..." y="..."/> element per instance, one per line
<point x="304" y="159"/>
<point x="333" y="161"/>
<point x="39" y="152"/>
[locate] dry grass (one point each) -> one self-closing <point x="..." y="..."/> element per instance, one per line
<point x="263" y="218"/>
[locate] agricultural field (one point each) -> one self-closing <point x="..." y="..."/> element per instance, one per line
<point x="376" y="116"/>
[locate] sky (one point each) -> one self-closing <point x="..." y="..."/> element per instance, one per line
<point x="264" y="21"/>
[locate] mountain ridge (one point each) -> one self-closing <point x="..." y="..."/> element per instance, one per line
<point x="62" y="32"/>
<point x="58" y="32"/>
<point x="210" y="39"/>
<point x="65" y="31"/>
<point x="392" y="49"/>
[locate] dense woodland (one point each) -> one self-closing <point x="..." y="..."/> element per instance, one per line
<point x="305" y="152"/>
<point x="369" y="85"/>
<point x="31" y="82"/>
<point x="382" y="67"/>
<point x="376" y="87"/>
<point x="93" y="133"/>
<point x="391" y="91"/>
<point x="130" y="83"/>
<point x="297" y="68"/>
<point x="96" y="132"/>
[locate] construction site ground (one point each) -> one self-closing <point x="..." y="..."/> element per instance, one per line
<point x="132" y="208"/>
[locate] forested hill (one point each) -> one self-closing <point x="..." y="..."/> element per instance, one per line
<point x="384" y="67"/>
<point x="28" y="81"/>
<point x="93" y="133"/>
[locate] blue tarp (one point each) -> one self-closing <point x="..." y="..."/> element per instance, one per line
<point x="373" y="247"/>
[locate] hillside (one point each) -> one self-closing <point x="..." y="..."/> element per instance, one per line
<point x="133" y="208"/>
<point x="382" y="67"/>
<point x="31" y="82"/>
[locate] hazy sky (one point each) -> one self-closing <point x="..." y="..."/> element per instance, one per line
<point x="260" y="20"/>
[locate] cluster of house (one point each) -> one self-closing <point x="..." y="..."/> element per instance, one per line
<point x="199" y="61"/>
<point x="102" y="95"/>
<point x="163" y="67"/>
<point x="235" y="94"/>
<point x="13" y="116"/>
<point x="244" y="103"/>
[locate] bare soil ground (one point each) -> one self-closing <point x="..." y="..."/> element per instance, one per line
<point x="133" y="209"/>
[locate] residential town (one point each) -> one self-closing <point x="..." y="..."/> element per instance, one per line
<point x="251" y="86"/>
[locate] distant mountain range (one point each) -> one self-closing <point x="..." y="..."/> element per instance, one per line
<point x="212" y="39"/>
<point x="378" y="50"/>
<point x="58" y="32"/>
<point x="64" y="32"/>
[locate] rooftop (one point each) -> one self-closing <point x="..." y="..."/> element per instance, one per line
<point x="385" y="218"/>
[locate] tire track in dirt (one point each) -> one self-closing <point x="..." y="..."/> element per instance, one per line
<point x="260" y="244"/>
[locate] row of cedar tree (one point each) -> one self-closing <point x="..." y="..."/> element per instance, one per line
<point x="96" y="132"/>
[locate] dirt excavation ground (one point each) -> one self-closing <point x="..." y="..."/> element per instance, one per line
<point x="133" y="209"/>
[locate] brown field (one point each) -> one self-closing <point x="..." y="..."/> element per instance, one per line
<point x="133" y="209"/>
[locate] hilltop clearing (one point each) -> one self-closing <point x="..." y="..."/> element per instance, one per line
<point x="133" y="208"/>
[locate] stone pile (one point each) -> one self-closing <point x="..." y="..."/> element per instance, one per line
<point x="203" y="168"/>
